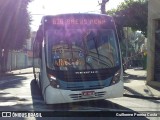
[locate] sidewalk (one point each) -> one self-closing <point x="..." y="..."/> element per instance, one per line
<point x="18" y="72"/>
<point x="135" y="85"/>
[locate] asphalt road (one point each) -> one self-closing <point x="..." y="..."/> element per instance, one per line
<point x="21" y="93"/>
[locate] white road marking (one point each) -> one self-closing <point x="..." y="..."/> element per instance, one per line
<point x="8" y="103"/>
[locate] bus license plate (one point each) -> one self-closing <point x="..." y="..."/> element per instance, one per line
<point x="88" y="93"/>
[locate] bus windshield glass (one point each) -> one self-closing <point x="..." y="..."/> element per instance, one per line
<point x="81" y="49"/>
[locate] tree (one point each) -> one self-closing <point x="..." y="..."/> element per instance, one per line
<point x="132" y="13"/>
<point x="103" y="6"/>
<point x="14" y="27"/>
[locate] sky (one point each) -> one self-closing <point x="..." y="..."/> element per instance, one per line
<point x="38" y="8"/>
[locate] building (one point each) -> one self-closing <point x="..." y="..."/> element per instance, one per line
<point x="29" y="47"/>
<point x="22" y="58"/>
<point x="153" y="52"/>
<point x="29" y="42"/>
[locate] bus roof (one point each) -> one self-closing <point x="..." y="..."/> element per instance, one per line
<point x="75" y="14"/>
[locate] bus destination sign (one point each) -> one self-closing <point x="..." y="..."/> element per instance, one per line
<point x="76" y="21"/>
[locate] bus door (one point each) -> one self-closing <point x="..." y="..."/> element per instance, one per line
<point x="37" y="55"/>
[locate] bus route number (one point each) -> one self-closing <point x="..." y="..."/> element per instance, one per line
<point x="67" y="62"/>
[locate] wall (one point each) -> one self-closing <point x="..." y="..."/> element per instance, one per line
<point x="17" y="60"/>
<point x="153" y="17"/>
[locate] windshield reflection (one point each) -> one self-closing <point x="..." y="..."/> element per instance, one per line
<point x="77" y="49"/>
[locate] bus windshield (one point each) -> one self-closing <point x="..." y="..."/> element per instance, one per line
<point x="81" y="49"/>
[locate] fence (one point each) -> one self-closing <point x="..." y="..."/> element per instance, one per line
<point x="18" y="60"/>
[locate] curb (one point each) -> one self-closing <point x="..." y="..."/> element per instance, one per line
<point x="12" y="74"/>
<point x="141" y="97"/>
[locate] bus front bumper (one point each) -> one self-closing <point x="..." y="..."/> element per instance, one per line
<point x="56" y="96"/>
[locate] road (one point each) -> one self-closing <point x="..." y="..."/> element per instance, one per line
<point x="21" y="93"/>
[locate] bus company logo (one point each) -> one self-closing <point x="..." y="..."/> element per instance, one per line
<point x="87" y="72"/>
<point x="6" y="114"/>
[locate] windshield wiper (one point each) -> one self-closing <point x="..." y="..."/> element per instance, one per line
<point x="102" y="56"/>
<point x="100" y="61"/>
<point x="96" y="47"/>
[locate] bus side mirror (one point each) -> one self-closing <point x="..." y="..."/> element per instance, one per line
<point x="39" y="36"/>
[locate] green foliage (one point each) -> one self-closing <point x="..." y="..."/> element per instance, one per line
<point x="14" y="27"/>
<point x="14" y="23"/>
<point x="132" y="13"/>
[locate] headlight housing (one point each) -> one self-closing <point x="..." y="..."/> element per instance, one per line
<point x="116" y="77"/>
<point x="53" y="81"/>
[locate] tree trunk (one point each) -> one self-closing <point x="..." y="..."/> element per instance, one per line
<point x="103" y="6"/>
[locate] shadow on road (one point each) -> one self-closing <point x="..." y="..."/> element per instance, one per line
<point x="136" y="87"/>
<point x="136" y="94"/>
<point x="11" y="91"/>
<point x="11" y="81"/>
<point x="128" y="77"/>
<point x="87" y="110"/>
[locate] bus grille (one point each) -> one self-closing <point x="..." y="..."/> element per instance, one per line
<point x="76" y="88"/>
<point x="81" y="97"/>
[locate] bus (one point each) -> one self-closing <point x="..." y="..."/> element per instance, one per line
<point x="77" y="58"/>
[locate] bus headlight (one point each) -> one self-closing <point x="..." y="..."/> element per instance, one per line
<point x="53" y="81"/>
<point x="116" y="77"/>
